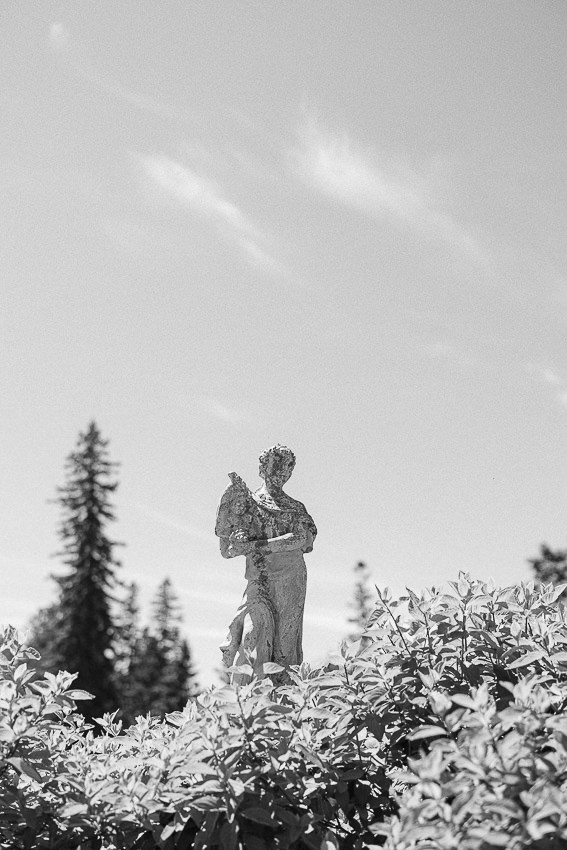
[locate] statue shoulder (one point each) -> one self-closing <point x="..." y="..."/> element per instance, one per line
<point x="299" y="508"/>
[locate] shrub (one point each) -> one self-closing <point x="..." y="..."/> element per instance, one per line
<point x="443" y="727"/>
<point x="254" y="767"/>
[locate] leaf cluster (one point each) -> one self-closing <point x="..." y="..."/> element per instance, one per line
<point x="444" y="726"/>
<point x="475" y="715"/>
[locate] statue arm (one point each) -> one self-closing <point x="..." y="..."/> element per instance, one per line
<point x="284" y="543"/>
<point x="232" y="548"/>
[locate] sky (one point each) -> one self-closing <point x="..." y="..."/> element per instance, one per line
<point x="338" y="226"/>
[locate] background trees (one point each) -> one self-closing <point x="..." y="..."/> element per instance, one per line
<point x="550" y="566"/>
<point x="77" y="633"/>
<point x="88" y="630"/>
<point x="363" y="601"/>
<point x="158" y="674"/>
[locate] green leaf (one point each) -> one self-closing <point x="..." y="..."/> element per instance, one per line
<point x="24" y="767"/>
<point x="198" y="767"/>
<point x="167" y="831"/>
<point x="271" y="667"/>
<point x="71" y="809"/>
<point x="426" y="732"/>
<point x="526" y="659"/>
<point x="259" y="815"/>
<point x="245" y="669"/>
<point x="78" y="694"/>
<point x="463" y="700"/>
<point x="254" y="842"/>
<point x="354" y="773"/>
<point x="557" y="591"/>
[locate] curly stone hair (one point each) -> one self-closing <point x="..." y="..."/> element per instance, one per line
<point x="281" y="451"/>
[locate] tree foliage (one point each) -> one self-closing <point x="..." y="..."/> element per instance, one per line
<point x="550" y="566"/>
<point x="363" y="601"/>
<point x="446" y="730"/>
<point x="87" y="630"/>
<point x="158" y="675"/>
<point x="78" y="633"/>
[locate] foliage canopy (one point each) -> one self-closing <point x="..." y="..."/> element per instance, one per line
<point x="445" y="729"/>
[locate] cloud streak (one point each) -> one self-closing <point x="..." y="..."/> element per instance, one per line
<point x="208" y="200"/>
<point x="213" y="407"/>
<point x="552" y="379"/>
<point x="69" y="51"/>
<point x="223" y="412"/>
<point x="368" y="183"/>
<point x="58" y="36"/>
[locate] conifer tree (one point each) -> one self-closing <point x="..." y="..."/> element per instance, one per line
<point x="44" y="628"/>
<point x="127" y="628"/>
<point x="551" y="566"/>
<point x="177" y="680"/>
<point x="84" y="640"/>
<point x="362" y="603"/>
<point x="160" y="676"/>
<point x="128" y="638"/>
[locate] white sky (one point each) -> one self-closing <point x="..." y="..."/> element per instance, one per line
<point x="340" y="226"/>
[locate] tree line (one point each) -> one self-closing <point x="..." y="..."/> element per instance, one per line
<point x="93" y="626"/>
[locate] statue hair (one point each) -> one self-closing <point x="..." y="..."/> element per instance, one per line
<point x="281" y="451"/>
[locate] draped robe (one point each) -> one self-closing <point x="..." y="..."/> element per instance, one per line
<point x="268" y="625"/>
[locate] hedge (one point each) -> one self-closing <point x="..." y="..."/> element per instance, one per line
<point x="443" y="727"/>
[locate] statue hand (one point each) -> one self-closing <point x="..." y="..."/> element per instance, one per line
<point x="239" y="543"/>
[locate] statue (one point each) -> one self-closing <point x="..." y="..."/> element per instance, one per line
<point x="273" y="531"/>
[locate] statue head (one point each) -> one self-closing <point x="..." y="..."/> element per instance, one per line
<point x="276" y="465"/>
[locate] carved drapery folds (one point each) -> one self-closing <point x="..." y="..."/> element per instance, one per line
<point x="273" y="531"/>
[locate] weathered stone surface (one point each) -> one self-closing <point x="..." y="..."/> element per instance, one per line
<point x="273" y="531"/>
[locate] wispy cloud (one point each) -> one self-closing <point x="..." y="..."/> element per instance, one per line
<point x="68" y="49"/>
<point x="188" y="186"/>
<point x="551" y="378"/>
<point x="58" y="35"/>
<point x="197" y="192"/>
<point x="369" y="182"/>
<point x="223" y="412"/>
<point x="207" y="199"/>
<point x="213" y="407"/>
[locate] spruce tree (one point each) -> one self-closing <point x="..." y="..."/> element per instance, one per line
<point x="550" y="566"/>
<point x="127" y="647"/>
<point x="177" y="680"/>
<point x="362" y="603"/>
<point x="44" y="628"/>
<point x="160" y="676"/>
<point x="85" y="639"/>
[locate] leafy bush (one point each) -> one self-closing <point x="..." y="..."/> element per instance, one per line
<point x="251" y="767"/>
<point x="444" y="726"/>
<point x="489" y="721"/>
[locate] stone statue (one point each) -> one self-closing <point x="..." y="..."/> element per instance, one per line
<point x="273" y="531"/>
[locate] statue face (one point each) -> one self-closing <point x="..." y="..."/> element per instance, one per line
<point x="278" y="469"/>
